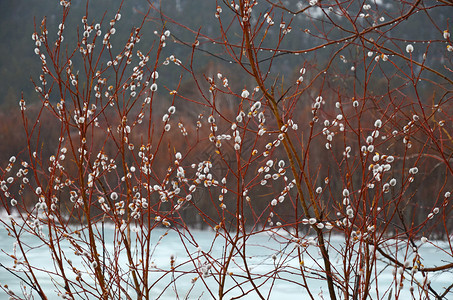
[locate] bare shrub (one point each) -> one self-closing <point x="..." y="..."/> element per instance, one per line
<point x="327" y="131"/>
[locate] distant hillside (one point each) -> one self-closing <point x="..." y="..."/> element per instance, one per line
<point x="18" y="62"/>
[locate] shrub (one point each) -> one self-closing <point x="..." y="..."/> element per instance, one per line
<point x="327" y="129"/>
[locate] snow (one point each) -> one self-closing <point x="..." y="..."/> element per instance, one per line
<point x="260" y="249"/>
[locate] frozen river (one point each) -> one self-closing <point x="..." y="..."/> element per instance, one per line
<point x="261" y="248"/>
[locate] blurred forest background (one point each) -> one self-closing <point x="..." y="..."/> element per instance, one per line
<point x="19" y="64"/>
